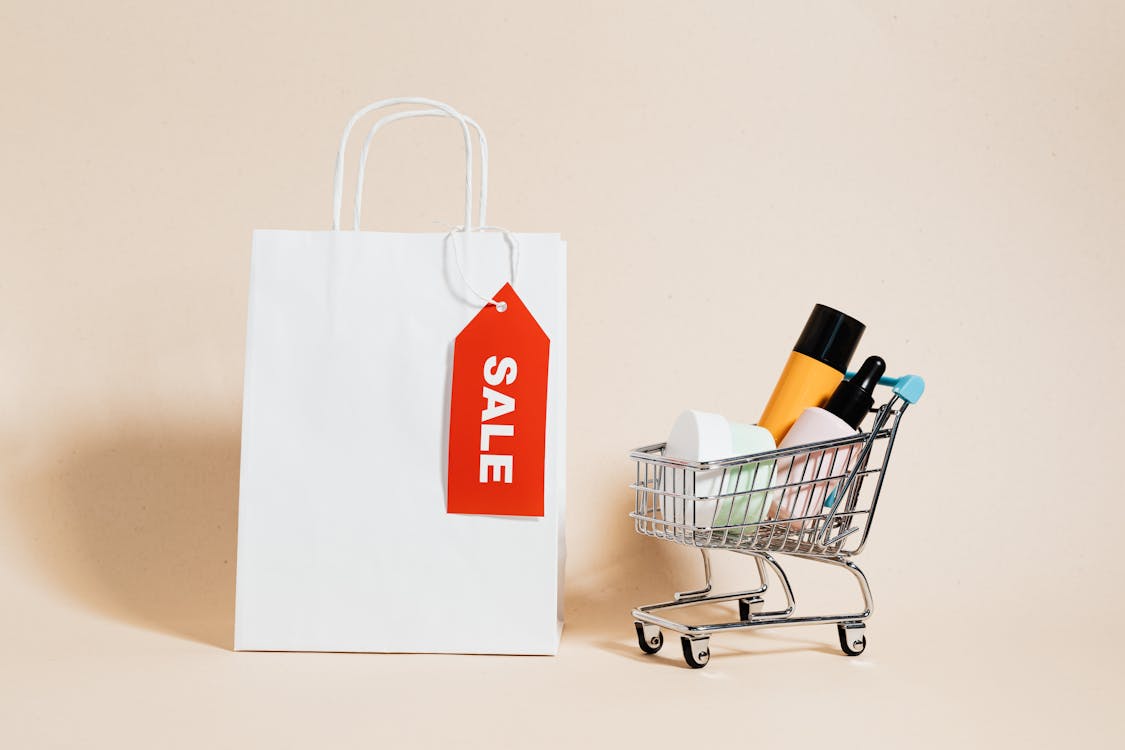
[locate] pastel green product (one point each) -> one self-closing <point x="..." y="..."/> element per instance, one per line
<point x="746" y="509"/>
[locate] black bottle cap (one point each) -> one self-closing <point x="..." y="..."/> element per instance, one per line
<point x="853" y="398"/>
<point x="831" y="337"/>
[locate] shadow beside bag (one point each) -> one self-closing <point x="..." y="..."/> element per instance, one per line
<point x="349" y="538"/>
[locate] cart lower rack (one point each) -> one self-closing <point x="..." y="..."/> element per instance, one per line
<point x="814" y="502"/>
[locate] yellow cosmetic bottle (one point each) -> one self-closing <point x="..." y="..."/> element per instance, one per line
<point x="815" y="367"/>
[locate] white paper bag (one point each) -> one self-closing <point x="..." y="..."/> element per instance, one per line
<point x="344" y="543"/>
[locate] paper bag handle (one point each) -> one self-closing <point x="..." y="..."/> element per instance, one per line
<point x="482" y="142"/>
<point x="338" y="180"/>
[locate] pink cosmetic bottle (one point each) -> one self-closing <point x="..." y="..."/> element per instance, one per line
<point x="841" y="417"/>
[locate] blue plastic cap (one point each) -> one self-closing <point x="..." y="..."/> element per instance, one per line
<point x="910" y="388"/>
<point x="907" y="387"/>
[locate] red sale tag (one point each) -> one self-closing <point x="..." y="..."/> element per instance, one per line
<point x="498" y="412"/>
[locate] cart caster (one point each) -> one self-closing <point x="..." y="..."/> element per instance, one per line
<point x="751" y="605"/>
<point x="696" y="652"/>
<point x="649" y="637"/>
<point x="852" y="639"/>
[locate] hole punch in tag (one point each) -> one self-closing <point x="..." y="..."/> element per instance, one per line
<point x="498" y="412"/>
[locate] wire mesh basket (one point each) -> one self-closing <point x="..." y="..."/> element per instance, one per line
<point x="814" y="501"/>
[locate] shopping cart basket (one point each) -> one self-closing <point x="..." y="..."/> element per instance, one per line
<point x="814" y="502"/>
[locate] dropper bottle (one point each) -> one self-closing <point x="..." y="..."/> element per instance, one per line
<point x="844" y="411"/>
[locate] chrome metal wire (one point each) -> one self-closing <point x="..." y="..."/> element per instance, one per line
<point x="815" y="502"/>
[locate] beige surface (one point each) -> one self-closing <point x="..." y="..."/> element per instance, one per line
<point x="952" y="175"/>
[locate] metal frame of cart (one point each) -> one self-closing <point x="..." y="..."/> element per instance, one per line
<point x="814" y="502"/>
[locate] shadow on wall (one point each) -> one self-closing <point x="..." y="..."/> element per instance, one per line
<point x="140" y="525"/>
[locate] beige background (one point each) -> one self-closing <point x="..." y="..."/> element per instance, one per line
<point x="952" y="174"/>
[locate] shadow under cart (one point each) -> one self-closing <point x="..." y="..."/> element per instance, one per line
<point x="695" y="639"/>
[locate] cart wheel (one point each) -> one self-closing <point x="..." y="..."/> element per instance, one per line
<point x="852" y="640"/>
<point x="696" y="653"/>
<point x="751" y="605"/>
<point x="649" y="637"/>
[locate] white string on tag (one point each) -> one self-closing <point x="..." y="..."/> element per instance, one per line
<point x="513" y="246"/>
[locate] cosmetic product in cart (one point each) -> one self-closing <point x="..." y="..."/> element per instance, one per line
<point x="815" y="367"/>
<point x="696" y="436"/>
<point x="714" y="497"/>
<point x="841" y="417"/>
<point x="745" y="507"/>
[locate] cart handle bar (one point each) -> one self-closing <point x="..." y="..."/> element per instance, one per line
<point x="907" y="387"/>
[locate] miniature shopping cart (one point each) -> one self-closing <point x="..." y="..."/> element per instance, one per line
<point x="814" y="502"/>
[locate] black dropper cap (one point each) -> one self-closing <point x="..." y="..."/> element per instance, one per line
<point x="831" y="337"/>
<point x="853" y="398"/>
